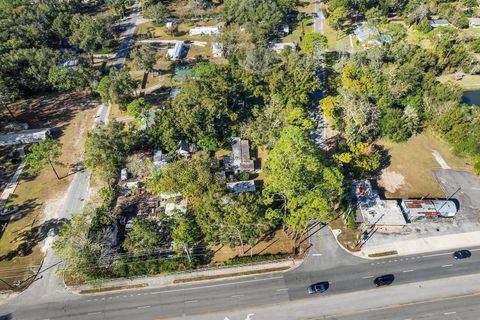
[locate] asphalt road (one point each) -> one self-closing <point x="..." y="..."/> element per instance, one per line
<point x="128" y="36"/>
<point x="350" y="275"/>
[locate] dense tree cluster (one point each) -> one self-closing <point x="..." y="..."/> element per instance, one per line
<point x="37" y="37"/>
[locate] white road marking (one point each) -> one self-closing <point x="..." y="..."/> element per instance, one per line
<point x="94" y="313"/>
<point x="447" y="265"/>
<point x="451" y="312"/>
<point x="217" y="285"/>
<point x="283" y="289"/>
<point x="237" y="295"/>
<point x="367" y="277"/>
<point x="143" y="307"/>
<point x="437" y="255"/>
<point x="408" y="271"/>
<point x="316" y="254"/>
<point x="191" y="301"/>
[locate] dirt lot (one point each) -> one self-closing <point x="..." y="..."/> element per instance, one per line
<point x="410" y="172"/>
<point x="277" y="243"/>
<point x="71" y="116"/>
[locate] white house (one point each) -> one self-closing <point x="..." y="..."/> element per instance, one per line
<point x="367" y="34"/>
<point x="24" y="137"/>
<point x="474" y="22"/>
<point x="201" y="31"/>
<point x="176" y="52"/>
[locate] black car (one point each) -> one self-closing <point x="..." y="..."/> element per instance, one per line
<point x="461" y="254"/>
<point x="318" y="287"/>
<point x="384" y="280"/>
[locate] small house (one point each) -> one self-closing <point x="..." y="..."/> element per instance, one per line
<point x="435" y="23"/>
<point x="239" y="160"/>
<point x="278" y="47"/>
<point x="242" y="186"/>
<point x="367" y="34"/>
<point x="176" y="53"/>
<point x="201" y="31"/>
<point x="474" y="22"/>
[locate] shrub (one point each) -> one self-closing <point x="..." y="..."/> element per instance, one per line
<point x="256" y="258"/>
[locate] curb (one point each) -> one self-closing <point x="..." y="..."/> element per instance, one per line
<point x="189" y="281"/>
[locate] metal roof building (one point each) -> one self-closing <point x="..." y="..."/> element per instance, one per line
<point x="176" y="52"/>
<point x="24" y="137"/>
<point x="366" y="33"/>
<point x="242" y="186"/>
<point x="435" y="23"/>
<point x="375" y="211"/>
<point x="428" y="209"/>
<point x="239" y="160"/>
<point x="200" y="31"/>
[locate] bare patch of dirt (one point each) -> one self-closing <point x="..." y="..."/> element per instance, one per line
<point x="391" y="180"/>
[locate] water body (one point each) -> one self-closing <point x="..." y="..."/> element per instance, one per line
<point x="471" y="97"/>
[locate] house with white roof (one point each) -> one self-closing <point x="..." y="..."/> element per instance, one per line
<point x="24" y="137"/>
<point x="201" y="31"/>
<point x="242" y="186"/>
<point x="176" y="53"/>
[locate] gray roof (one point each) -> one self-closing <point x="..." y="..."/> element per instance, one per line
<point x="239" y="160"/>
<point x="365" y="32"/>
<point x="439" y="22"/>
<point x="24" y="137"/>
<point x="242" y="186"/>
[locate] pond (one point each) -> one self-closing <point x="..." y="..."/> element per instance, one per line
<point x="471" y="97"/>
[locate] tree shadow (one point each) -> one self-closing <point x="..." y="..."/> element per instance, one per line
<point x="7" y="316"/>
<point x="33" y="237"/>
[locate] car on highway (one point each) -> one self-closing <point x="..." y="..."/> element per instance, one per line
<point x="385" y="280"/>
<point x="319" y="287"/>
<point x="461" y="254"/>
<point x="9" y="210"/>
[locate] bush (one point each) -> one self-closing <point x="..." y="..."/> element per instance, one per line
<point x="243" y="176"/>
<point x="351" y="221"/>
<point x="424" y="26"/>
<point x="256" y="258"/>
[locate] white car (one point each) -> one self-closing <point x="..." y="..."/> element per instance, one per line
<point x="9" y="210"/>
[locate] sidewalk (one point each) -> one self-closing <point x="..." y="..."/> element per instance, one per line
<point x="187" y="277"/>
<point x="420" y="245"/>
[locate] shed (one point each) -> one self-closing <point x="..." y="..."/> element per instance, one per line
<point x="242" y="186"/>
<point x="24" y="137"/>
<point x="123" y="174"/>
<point x="160" y="159"/>
<point x="217" y="50"/>
<point x="200" y="31"/>
<point x="474" y="22"/>
<point x="435" y="23"/>
<point x="278" y="47"/>
<point x="176" y="53"/>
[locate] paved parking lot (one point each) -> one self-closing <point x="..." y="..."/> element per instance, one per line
<point x="465" y="188"/>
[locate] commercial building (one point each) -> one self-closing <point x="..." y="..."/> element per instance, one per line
<point x="417" y="210"/>
<point x="374" y="211"/>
